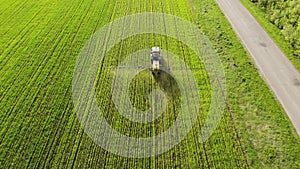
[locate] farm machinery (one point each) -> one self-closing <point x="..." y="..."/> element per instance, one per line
<point x="155" y="59"/>
<point x="157" y="64"/>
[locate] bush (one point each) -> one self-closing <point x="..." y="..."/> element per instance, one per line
<point x="284" y="14"/>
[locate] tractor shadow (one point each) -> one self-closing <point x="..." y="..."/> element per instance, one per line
<point x="171" y="89"/>
<point x="167" y="83"/>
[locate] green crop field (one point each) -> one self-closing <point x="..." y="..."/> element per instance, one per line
<point x="40" y="42"/>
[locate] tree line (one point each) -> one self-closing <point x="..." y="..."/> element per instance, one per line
<point x="285" y="14"/>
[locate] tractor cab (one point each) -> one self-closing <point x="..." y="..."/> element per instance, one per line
<point x="155" y="58"/>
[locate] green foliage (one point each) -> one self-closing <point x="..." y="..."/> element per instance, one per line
<point x="39" y="44"/>
<point x="285" y="14"/>
<point x="262" y="123"/>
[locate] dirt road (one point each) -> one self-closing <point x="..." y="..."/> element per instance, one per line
<point x="276" y="69"/>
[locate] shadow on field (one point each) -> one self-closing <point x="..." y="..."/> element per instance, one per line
<point x="168" y="84"/>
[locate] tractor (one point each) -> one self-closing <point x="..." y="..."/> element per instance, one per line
<point x="155" y="59"/>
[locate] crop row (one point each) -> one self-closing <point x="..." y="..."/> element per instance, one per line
<point x="39" y="127"/>
<point x="188" y="152"/>
<point x="39" y="121"/>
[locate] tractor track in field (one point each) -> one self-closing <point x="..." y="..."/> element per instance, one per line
<point x="9" y="6"/>
<point x="172" y="86"/>
<point x="206" y="157"/>
<point x="107" y="37"/>
<point x="229" y="110"/>
<point x="180" y="48"/>
<point x="32" y="82"/>
<point x="45" y="97"/>
<point x="33" y="75"/>
<point x="15" y="12"/>
<point x="21" y="90"/>
<point x="204" y="147"/>
<point x="98" y="23"/>
<point x="69" y="87"/>
<point x="38" y="108"/>
<point x="81" y="131"/>
<point x="22" y="33"/>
